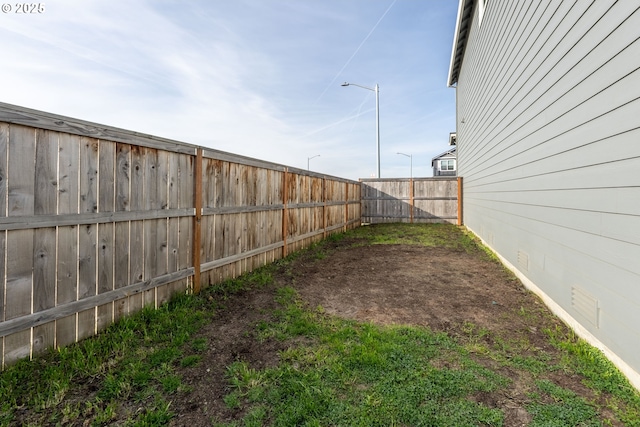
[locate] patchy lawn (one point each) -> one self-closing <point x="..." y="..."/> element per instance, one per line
<point x="384" y="325"/>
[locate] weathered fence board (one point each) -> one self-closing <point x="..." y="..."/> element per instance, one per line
<point x="4" y="142"/>
<point x="67" y="279"/>
<point x="43" y="287"/>
<point x="2" y="305"/>
<point x="67" y="267"/>
<point x="97" y="222"/>
<point x="19" y="258"/>
<point x="419" y="200"/>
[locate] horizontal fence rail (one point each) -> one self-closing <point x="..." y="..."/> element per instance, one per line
<point x="411" y="200"/>
<point x="97" y="223"/>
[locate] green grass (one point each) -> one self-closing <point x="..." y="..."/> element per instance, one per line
<point x="554" y="406"/>
<point x="333" y="371"/>
<point x="599" y="374"/>
<point x="134" y="359"/>
<point x="362" y="374"/>
<point x="432" y="235"/>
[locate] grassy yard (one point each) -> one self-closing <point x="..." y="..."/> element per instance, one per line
<point x="330" y="371"/>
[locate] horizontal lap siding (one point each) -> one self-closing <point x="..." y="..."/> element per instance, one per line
<point x="548" y="104"/>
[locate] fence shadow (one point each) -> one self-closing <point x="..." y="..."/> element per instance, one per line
<point x="416" y="200"/>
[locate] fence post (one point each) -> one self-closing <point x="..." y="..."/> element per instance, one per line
<point x="411" y="201"/>
<point x="346" y="205"/>
<point x="197" y="221"/>
<point x="285" y="213"/>
<point x="459" y="200"/>
<point x="324" y="207"/>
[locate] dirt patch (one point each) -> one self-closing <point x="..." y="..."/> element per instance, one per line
<point x="397" y="284"/>
<point x="466" y="295"/>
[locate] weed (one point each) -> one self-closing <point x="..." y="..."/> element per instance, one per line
<point x="156" y="416"/>
<point x="199" y="345"/>
<point x="190" y="361"/>
<point x="170" y="383"/>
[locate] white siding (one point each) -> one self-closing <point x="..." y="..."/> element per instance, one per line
<point x="548" y="125"/>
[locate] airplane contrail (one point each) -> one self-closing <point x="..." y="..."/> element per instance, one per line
<point x="356" y="51"/>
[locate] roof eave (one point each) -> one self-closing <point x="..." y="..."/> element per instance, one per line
<point x="463" y="22"/>
<point x="450" y="151"/>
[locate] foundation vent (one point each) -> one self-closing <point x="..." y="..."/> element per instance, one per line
<point x="586" y="305"/>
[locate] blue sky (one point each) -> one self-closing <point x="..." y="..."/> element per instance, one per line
<point x="261" y="78"/>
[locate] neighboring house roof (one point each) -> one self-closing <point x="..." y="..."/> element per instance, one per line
<point x="450" y="152"/>
<point x="463" y="24"/>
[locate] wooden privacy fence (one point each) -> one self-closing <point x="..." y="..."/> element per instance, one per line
<point x="413" y="200"/>
<point x="97" y="222"/>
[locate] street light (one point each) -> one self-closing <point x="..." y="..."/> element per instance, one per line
<point x="375" y="89"/>
<point x="410" y="156"/>
<point x="312" y="157"/>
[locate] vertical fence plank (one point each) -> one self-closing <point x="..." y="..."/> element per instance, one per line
<point x="87" y="244"/>
<point x="67" y="270"/>
<point x="150" y="225"/>
<point x="136" y="261"/>
<point x="67" y="278"/>
<point x="106" y="244"/>
<point x="162" y="250"/>
<point x="197" y="220"/>
<point x="235" y="199"/>
<point x="3" y="252"/>
<point x="173" y="227"/>
<point x="44" y="256"/>
<point x="121" y="275"/>
<point x="346" y="205"/>
<point x="411" y="200"/>
<point x="88" y="234"/>
<point x="46" y="168"/>
<point x="19" y="264"/>
<point x="44" y="274"/>
<point x="324" y="207"/>
<point x="186" y="200"/>
<point x="209" y="182"/>
<point x="4" y="144"/>
<point x="122" y="229"/>
<point x="285" y="213"/>
<point x="105" y="272"/>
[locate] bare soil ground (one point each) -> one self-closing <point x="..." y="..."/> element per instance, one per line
<point x="446" y="290"/>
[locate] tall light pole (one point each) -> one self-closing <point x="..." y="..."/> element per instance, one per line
<point x="410" y="156"/>
<point x="312" y="157"/>
<point x="375" y="89"/>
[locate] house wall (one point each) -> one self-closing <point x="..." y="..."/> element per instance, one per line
<point x="548" y="108"/>
<point x="437" y="167"/>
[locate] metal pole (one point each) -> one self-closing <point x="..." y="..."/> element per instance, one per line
<point x="378" y="126"/>
<point x="312" y="157"/>
<point x="376" y="89"/>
